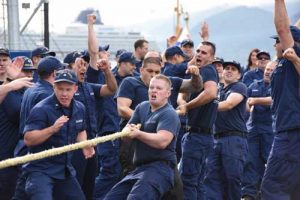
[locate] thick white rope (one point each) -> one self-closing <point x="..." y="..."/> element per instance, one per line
<point x="60" y="150"/>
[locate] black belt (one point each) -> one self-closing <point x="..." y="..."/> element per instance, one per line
<point x="200" y="130"/>
<point x="228" y="133"/>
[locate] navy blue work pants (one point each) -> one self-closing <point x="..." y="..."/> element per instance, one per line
<point x="259" y="145"/>
<point x="195" y="149"/>
<point x="225" y="168"/>
<point x="110" y="168"/>
<point x="147" y="182"/>
<point x="281" y="180"/>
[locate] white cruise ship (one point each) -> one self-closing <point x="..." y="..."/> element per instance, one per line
<point x="75" y="37"/>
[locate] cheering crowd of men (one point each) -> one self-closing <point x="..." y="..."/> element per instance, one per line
<point x="198" y="127"/>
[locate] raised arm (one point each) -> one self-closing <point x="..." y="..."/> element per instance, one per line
<point x="282" y="23"/>
<point x="92" y="41"/>
<point x="111" y="85"/>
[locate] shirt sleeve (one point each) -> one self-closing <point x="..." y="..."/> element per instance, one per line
<point x="247" y="80"/>
<point x="126" y="89"/>
<point x="176" y="83"/>
<point x="135" y="118"/>
<point x="169" y="121"/>
<point x="208" y="73"/>
<point x="240" y="88"/>
<point x="37" y="120"/>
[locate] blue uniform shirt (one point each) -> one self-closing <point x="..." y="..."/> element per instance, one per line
<point x="177" y="70"/>
<point x="32" y="96"/>
<point x="138" y="65"/>
<point x="205" y="115"/>
<point x="87" y="94"/>
<point x="176" y="84"/>
<point x="9" y="123"/>
<point x="134" y="88"/>
<point x="253" y="75"/>
<point x="165" y="118"/>
<point x="232" y="120"/>
<point x="285" y="92"/>
<point x="107" y="107"/>
<point x="260" y="120"/>
<point x="44" y="115"/>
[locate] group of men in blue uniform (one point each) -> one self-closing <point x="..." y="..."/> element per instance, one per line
<point x="217" y="149"/>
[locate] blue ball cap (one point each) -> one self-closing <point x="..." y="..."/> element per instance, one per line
<point x="263" y="53"/>
<point x="119" y="52"/>
<point x="233" y="63"/>
<point x="187" y="42"/>
<point x="104" y="48"/>
<point x="4" y="51"/>
<point x="49" y="64"/>
<point x="218" y="60"/>
<point x="171" y="51"/>
<point x="71" y="57"/>
<point x="27" y="65"/>
<point x="65" y="75"/>
<point x="127" y="57"/>
<point x="42" y="51"/>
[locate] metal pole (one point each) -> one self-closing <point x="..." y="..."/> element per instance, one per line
<point x="46" y="24"/>
<point x="13" y="25"/>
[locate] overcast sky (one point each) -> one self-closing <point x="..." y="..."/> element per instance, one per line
<point x="121" y="12"/>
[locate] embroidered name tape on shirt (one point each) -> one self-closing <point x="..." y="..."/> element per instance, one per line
<point x="79" y="121"/>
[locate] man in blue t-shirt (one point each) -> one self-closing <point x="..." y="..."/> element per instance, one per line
<point x="154" y="146"/>
<point x="281" y="178"/>
<point x="260" y="133"/>
<point x="56" y="121"/>
<point x="226" y="162"/>
<point x="201" y="111"/>
<point x="43" y="88"/>
<point x="133" y="90"/>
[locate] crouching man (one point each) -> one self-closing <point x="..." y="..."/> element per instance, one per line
<point x="154" y="146"/>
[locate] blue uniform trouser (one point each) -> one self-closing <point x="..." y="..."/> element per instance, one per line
<point x="225" y="168"/>
<point x="148" y="182"/>
<point x="41" y="186"/>
<point x="281" y="180"/>
<point x="259" y="145"/>
<point x="181" y="133"/>
<point x="8" y="179"/>
<point x="110" y="168"/>
<point x="195" y="149"/>
<point x="20" y="193"/>
<point x="86" y="170"/>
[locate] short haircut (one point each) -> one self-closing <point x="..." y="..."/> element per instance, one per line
<point x="212" y="45"/>
<point x="44" y="75"/>
<point x="151" y="60"/>
<point x="165" y="79"/>
<point x="139" y="43"/>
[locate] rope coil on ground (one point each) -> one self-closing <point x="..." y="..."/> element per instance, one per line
<point x="60" y="150"/>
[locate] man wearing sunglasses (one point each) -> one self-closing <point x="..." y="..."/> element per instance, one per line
<point x="263" y="57"/>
